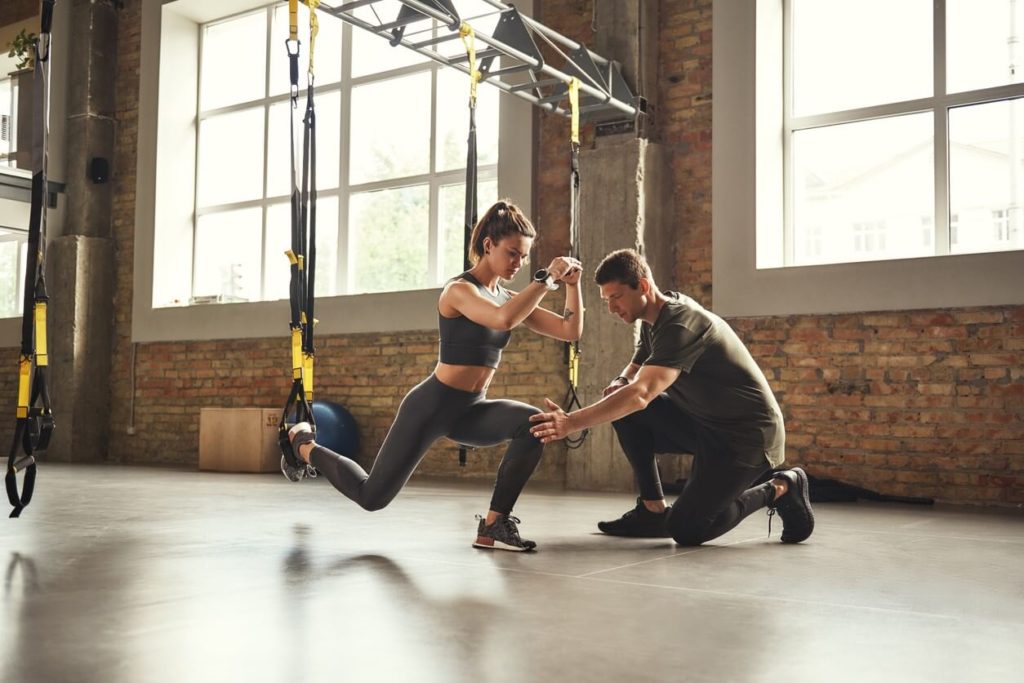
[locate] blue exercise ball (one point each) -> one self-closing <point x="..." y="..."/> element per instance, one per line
<point x="336" y="429"/>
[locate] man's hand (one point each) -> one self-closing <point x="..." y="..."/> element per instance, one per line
<point x="550" y="426"/>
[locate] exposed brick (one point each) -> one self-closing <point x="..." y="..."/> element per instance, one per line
<point x="942" y="413"/>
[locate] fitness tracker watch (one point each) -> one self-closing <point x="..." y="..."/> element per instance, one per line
<point x="544" y="277"/>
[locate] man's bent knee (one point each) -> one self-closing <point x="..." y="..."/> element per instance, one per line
<point x="688" y="530"/>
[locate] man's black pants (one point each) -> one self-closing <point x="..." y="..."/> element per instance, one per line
<point x="718" y="493"/>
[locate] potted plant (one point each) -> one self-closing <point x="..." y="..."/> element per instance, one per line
<point x="22" y="48"/>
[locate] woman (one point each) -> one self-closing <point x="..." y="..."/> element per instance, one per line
<point x="475" y="318"/>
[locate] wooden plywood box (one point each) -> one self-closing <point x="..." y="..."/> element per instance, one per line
<point x="239" y="439"/>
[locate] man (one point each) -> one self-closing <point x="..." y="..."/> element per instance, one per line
<point x="691" y="387"/>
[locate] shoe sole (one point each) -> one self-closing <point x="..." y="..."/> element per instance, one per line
<point x="291" y="474"/>
<point x="659" y="534"/>
<point x="805" y="496"/>
<point x="491" y="544"/>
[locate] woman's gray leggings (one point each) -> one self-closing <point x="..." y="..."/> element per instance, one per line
<point x="429" y="411"/>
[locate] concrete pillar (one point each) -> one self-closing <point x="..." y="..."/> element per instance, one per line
<point x="625" y="201"/>
<point x="80" y="264"/>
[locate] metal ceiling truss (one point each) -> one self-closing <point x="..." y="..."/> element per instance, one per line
<point x="523" y="70"/>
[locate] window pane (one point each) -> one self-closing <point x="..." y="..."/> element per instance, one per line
<point x="389" y="238"/>
<point x="11" y="275"/>
<point x="372" y="53"/>
<point x="225" y="78"/>
<point x="983" y="43"/>
<point x="391" y="129"/>
<point x="986" y="176"/>
<point x="231" y="157"/>
<point x="228" y="252"/>
<point x="863" y="190"/>
<point x="857" y="54"/>
<point x="8" y="121"/>
<point x="453" y="121"/>
<point x="451" y="218"/>
<point x="328" y="126"/>
<point x="279" y="240"/>
<point x="326" y="55"/>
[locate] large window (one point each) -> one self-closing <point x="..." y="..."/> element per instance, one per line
<point x="8" y="121"/>
<point x="391" y="156"/>
<point x="903" y="130"/>
<point x="13" y="256"/>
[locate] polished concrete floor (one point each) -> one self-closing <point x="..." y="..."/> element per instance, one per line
<point x="135" y="574"/>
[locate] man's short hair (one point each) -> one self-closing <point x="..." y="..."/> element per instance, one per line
<point x="625" y="266"/>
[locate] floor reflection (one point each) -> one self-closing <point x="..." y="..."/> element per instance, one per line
<point x="28" y="573"/>
<point x="431" y="627"/>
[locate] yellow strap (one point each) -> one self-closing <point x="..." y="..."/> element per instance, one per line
<point x="574" y="365"/>
<point x="296" y="353"/>
<point x="469" y="41"/>
<point x="24" y="384"/>
<point x="314" y="29"/>
<point x="307" y="375"/>
<point x="292" y="259"/>
<point x="293" y="19"/>
<point x="41" y="352"/>
<point x="574" y="106"/>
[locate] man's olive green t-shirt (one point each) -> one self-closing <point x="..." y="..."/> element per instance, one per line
<point x="719" y="386"/>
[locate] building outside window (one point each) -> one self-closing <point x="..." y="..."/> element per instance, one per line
<point x="898" y="111"/>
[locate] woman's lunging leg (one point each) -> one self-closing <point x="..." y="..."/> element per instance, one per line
<point x="425" y="415"/>
<point x="491" y="422"/>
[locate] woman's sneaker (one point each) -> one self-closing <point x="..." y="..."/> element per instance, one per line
<point x="501" y="534"/>
<point x="794" y="506"/>
<point x="294" y="468"/>
<point x="639" y="523"/>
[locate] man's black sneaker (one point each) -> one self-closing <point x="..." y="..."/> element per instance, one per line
<point x="501" y="534"/>
<point x="794" y="506"/>
<point x="639" y="523"/>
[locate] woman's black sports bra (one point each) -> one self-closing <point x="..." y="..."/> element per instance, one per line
<point x="464" y="342"/>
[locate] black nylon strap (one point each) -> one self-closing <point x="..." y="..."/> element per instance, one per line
<point x="572" y="400"/>
<point x="33" y="430"/>
<point x="297" y="407"/>
<point x="470" y="214"/>
<point x="309" y="204"/>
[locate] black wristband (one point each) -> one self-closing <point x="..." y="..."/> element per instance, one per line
<point x="623" y="378"/>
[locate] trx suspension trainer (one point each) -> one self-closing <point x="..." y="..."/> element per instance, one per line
<point x="35" y="422"/>
<point x="302" y="254"/>
<point x="470" y="218"/>
<point x="572" y="349"/>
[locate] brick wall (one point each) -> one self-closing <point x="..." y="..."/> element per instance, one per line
<point x="922" y="403"/>
<point x="917" y="403"/>
<point x="367" y="373"/>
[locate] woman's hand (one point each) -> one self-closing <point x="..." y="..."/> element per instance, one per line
<point x="564" y="269"/>
<point x="573" y="276"/>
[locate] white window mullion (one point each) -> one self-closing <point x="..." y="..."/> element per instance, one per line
<point x="788" y="237"/>
<point x="433" y="207"/>
<point x="195" y="174"/>
<point x="266" y="159"/>
<point x="344" y="269"/>
<point x="941" y="119"/>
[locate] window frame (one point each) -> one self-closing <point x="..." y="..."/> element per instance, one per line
<point x="748" y="194"/>
<point x="432" y="179"/>
<point x="939" y="105"/>
<point x="170" y="28"/>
